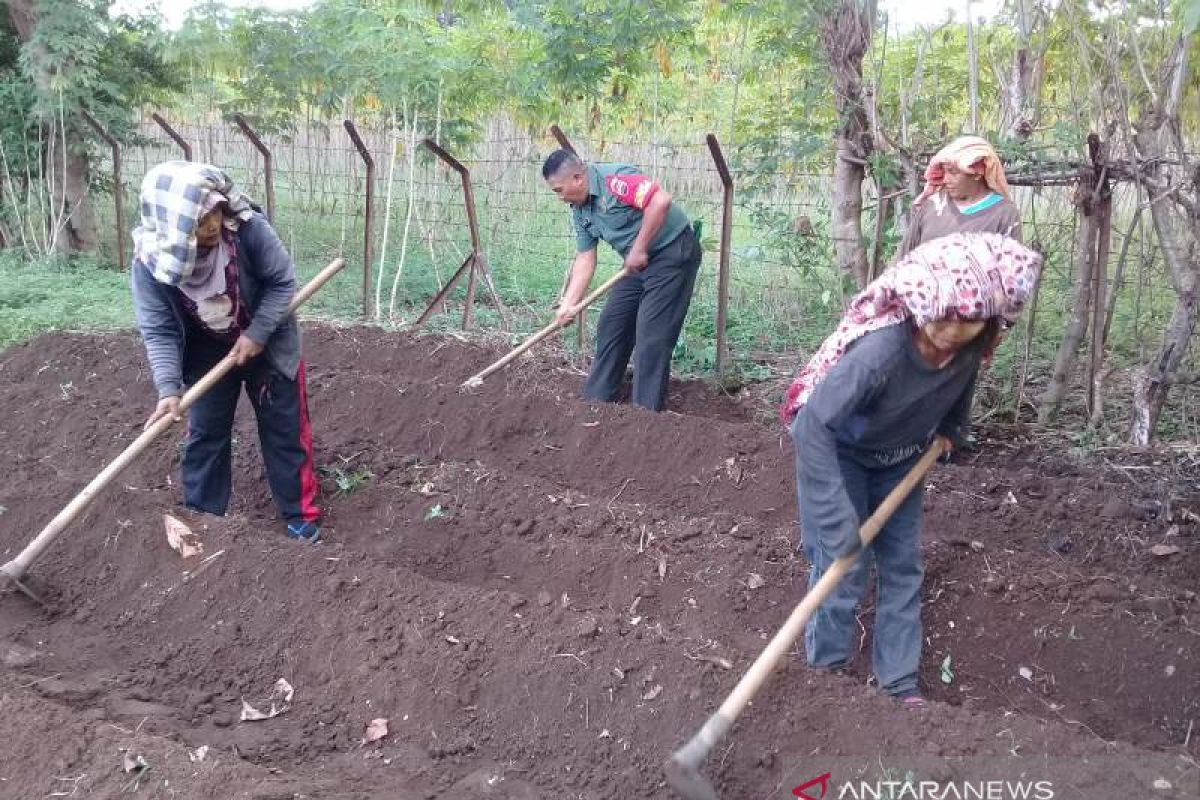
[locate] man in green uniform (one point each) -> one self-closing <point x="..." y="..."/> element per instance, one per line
<point x="644" y="313"/>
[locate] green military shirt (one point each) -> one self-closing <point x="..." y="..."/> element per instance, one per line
<point x="617" y="196"/>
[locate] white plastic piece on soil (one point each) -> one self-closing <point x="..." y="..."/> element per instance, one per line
<point x="376" y="730"/>
<point x="197" y="755"/>
<point x="131" y="763"/>
<point x="280" y="701"/>
<point x="1026" y="673"/>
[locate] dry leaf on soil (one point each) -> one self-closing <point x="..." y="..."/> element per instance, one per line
<point x="181" y="538"/>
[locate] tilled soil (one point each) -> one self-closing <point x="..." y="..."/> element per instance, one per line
<point x="544" y="598"/>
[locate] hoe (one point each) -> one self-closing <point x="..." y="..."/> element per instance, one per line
<point x="683" y="767"/>
<point x="13" y="573"/>
<point x="601" y="290"/>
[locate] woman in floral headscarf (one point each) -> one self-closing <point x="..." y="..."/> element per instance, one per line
<point x="966" y="191"/>
<point x="899" y="370"/>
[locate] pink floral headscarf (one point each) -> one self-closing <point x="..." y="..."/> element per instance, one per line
<point x="964" y="276"/>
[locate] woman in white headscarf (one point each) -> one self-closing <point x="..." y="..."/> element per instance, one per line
<point x="210" y="278"/>
<point x="966" y="191"/>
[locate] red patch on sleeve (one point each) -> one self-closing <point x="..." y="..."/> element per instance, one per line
<point x="632" y="190"/>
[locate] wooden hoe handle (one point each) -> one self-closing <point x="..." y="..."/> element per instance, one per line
<point x="19" y="565"/>
<point x="686" y="761"/>
<point x="545" y="332"/>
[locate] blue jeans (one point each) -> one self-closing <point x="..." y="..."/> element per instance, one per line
<point x="284" y="434"/>
<point x="896" y="552"/>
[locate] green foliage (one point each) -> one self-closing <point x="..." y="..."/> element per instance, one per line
<point x="1190" y="16"/>
<point x="78" y="58"/>
<point x="594" y="47"/>
<point x="346" y="481"/>
<point x="81" y="57"/>
<point x="56" y="295"/>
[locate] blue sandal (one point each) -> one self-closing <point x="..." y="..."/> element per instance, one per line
<point x="303" y="531"/>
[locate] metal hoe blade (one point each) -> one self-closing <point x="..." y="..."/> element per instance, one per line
<point x="687" y="781"/>
<point x="9" y="580"/>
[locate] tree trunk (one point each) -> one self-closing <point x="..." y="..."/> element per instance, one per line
<point x="1085" y="262"/>
<point x="1018" y="119"/>
<point x="1025" y="79"/>
<point x="1154" y="138"/>
<point x="71" y="194"/>
<point x="65" y="167"/>
<point x="846" y="36"/>
<point x="1151" y="383"/>
<point x="972" y="71"/>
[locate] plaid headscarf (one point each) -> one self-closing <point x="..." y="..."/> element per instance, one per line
<point x="963" y="276"/>
<point x="971" y="154"/>
<point x="174" y="196"/>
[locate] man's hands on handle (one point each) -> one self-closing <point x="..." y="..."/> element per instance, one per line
<point x="637" y="259"/>
<point x="243" y="351"/>
<point x="582" y="270"/>
<point x="167" y="406"/>
<point x="566" y="313"/>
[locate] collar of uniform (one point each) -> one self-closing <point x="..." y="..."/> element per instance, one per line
<point x="595" y="184"/>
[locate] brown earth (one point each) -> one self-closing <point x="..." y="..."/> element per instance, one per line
<point x="543" y="597"/>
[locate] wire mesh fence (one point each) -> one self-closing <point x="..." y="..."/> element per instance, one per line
<point x="785" y="292"/>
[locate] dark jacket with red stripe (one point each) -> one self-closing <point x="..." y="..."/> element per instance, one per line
<point x="266" y="283"/>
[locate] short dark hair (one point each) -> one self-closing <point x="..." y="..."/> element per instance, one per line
<point x="560" y="160"/>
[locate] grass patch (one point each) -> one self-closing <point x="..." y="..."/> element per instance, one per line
<point x="60" y="295"/>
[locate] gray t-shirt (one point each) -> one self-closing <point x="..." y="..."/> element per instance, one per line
<point x="880" y="404"/>
<point x="928" y="223"/>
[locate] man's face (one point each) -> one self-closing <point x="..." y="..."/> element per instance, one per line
<point x="570" y="185"/>
<point x="208" y="229"/>
<point x="962" y="185"/>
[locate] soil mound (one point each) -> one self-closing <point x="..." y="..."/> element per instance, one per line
<point x="544" y="598"/>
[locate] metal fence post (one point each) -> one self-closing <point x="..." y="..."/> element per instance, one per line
<point x="268" y="167"/>
<point x="562" y="140"/>
<point x="714" y="147"/>
<point x="368" y="213"/>
<point x="116" y="171"/>
<point x="476" y="263"/>
<point x="581" y="317"/>
<point x="179" y="140"/>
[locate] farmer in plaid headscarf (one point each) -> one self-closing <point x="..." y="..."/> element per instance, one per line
<point x="899" y="370"/>
<point x="965" y="191"/>
<point x="211" y="278"/>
